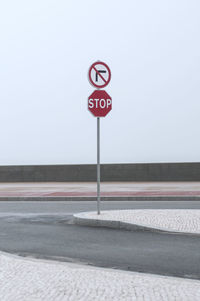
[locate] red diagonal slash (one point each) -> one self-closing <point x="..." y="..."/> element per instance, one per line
<point x="99" y="74"/>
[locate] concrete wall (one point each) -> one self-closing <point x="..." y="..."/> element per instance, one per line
<point x="109" y="172"/>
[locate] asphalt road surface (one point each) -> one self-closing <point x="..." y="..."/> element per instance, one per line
<point x="46" y="230"/>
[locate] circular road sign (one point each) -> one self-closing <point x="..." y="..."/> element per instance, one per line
<point x="99" y="74"/>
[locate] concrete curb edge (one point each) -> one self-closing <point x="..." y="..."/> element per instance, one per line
<point x="103" y="199"/>
<point x="112" y="224"/>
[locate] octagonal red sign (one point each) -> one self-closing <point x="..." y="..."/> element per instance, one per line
<point x="99" y="103"/>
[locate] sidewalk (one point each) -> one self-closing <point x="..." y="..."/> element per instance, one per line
<point x="28" y="279"/>
<point x="177" y="220"/>
<point x="108" y="189"/>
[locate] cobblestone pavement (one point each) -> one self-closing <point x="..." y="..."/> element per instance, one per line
<point x="178" y="220"/>
<point x="31" y="280"/>
<point x="107" y="189"/>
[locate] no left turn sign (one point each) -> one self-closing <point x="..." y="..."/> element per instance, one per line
<point x="99" y="74"/>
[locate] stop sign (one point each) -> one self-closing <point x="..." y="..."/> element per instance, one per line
<point x="99" y="103"/>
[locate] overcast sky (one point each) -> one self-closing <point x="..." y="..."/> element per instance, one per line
<point x="153" y="50"/>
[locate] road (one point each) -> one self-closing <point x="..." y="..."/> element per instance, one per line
<point x="46" y="230"/>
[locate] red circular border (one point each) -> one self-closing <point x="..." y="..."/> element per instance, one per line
<point x="109" y="74"/>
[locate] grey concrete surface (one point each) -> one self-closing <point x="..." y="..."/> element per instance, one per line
<point x="66" y="208"/>
<point x="109" y="172"/>
<point x="46" y="230"/>
<point x="119" y="225"/>
<point x="112" y="224"/>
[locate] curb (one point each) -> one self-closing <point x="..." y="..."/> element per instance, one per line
<point x="119" y="225"/>
<point x="81" y="221"/>
<point x="103" y="199"/>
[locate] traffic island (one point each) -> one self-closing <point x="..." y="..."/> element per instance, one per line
<point x="176" y="221"/>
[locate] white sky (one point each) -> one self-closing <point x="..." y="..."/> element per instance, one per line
<point x="153" y="50"/>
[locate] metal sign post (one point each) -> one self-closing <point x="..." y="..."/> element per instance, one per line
<point x="98" y="167"/>
<point x="99" y="104"/>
